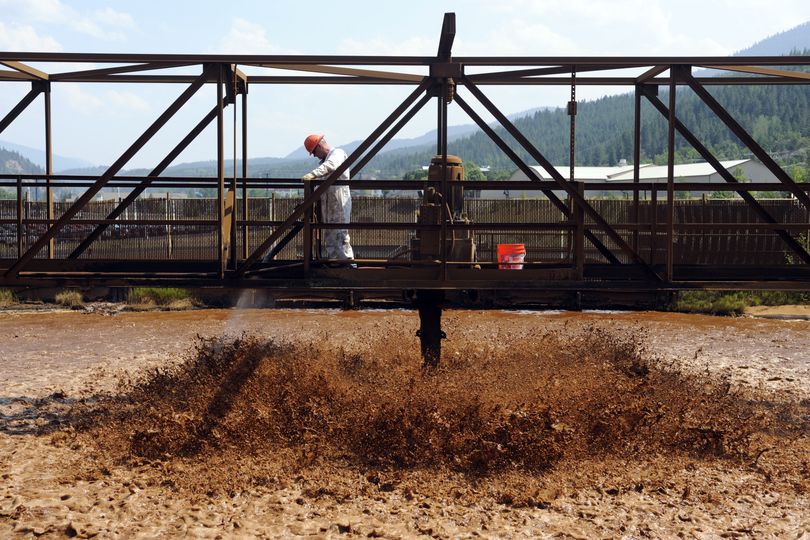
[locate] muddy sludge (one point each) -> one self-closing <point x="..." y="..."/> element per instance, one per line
<point x="242" y="412"/>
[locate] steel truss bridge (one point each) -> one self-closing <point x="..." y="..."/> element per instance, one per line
<point x="56" y="248"/>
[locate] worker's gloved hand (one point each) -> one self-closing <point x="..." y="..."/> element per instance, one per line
<point x="307" y="177"/>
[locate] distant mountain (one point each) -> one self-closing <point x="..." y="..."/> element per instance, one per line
<point x="12" y="162"/>
<point x="795" y="39"/>
<point x="453" y="133"/>
<point x="60" y="163"/>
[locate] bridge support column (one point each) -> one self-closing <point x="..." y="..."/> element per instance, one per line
<point x="429" y="304"/>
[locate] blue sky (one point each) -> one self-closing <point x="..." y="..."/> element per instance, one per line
<point x="98" y="122"/>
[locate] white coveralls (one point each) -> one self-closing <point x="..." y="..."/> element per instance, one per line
<point x="336" y="207"/>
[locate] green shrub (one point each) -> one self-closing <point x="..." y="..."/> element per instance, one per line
<point x="734" y="302"/>
<point x="7" y="297"/>
<point x="171" y="297"/>
<point x="781" y="298"/>
<point x="71" y="299"/>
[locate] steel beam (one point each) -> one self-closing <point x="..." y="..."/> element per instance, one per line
<point x="233" y="84"/>
<point x="103" y="72"/>
<point x="221" y="239"/>
<point x="671" y="178"/>
<point x="446" y="37"/>
<point x="20" y="235"/>
<point x="765" y="71"/>
<point x="612" y="62"/>
<point x="46" y="92"/>
<point x="636" y="157"/>
<point x="245" y="230"/>
<point x="245" y="59"/>
<point x="27" y="99"/>
<point x="242" y="59"/>
<point x="479" y="78"/>
<point x="443" y="99"/>
<point x="342" y="80"/>
<point x="390" y="135"/>
<point x="28" y="70"/>
<point x="651" y="73"/>
<point x="111" y="171"/>
<point x="6" y="75"/>
<point x="354" y="72"/>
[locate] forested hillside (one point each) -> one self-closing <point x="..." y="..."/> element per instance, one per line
<point x="13" y="163"/>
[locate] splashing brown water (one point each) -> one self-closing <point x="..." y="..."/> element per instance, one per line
<point x="238" y="408"/>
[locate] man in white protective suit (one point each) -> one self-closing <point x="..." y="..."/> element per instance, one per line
<point x="336" y="202"/>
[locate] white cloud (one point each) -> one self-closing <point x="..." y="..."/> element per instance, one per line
<point x="568" y="28"/>
<point x="245" y="37"/>
<point x="37" y="10"/>
<point x="127" y="101"/>
<point x="412" y="46"/>
<point x="111" y="17"/>
<point x="103" y="103"/>
<point x="624" y="27"/>
<point x="78" y="99"/>
<point x="15" y="37"/>
<point x="103" y="24"/>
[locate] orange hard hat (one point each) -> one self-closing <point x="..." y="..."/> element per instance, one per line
<point x="311" y="142"/>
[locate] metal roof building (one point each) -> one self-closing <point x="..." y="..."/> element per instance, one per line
<point x="743" y="169"/>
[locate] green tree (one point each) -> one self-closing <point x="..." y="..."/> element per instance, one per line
<point x="415" y="174"/>
<point x="498" y="174"/>
<point x="473" y="171"/>
<point x="799" y="173"/>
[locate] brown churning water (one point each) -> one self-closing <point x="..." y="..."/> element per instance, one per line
<point x="525" y="407"/>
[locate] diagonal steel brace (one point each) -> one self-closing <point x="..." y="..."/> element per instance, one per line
<point x="562" y="182"/>
<point x="88" y="195"/>
<point x="791" y="242"/>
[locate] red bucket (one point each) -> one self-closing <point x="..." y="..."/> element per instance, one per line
<point x="511" y="256"/>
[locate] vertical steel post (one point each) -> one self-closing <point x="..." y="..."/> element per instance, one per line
<point x="439" y="112"/>
<point x="307" y="229"/>
<point x="445" y="185"/>
<point x="579" y="234"/>
<point x="572" y="112"/>
<point x="429" y="306"/>
<point x="232" y="252"/>
<point x="20" y="244"/>
<point x="46" y="86"/>
<point x="653" y="222"/>
<point x="168" y="227"/>
<point x="245" y="235"/>
<point x="671" y="175"/>
<point x="220" y="173"/>
<point x="636" y="162"/>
